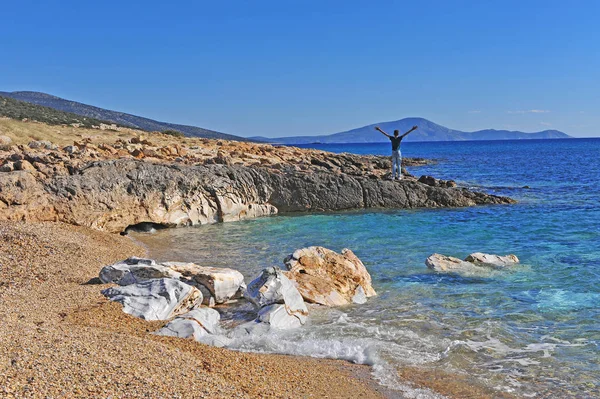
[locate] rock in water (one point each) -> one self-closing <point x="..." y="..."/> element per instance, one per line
<point x="325" y="277"/>
<point x="158" y="299"/>
<point x="443" y="263"/>
<point x="495" y="260"/>
<point x="278" y="316"/>
<point x="476" y="263"/>
<point x="223" y="283"/>
<point x="273" y="287"/>
<point x="134" y="270"/>
<point x="202" y="324"/>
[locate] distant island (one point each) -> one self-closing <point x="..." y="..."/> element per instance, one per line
<point x="428" y="131"/>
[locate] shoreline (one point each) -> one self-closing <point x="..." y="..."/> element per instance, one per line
<point x="61" y="337"/>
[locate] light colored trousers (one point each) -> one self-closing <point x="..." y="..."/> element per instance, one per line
<point x="396" y="163"/>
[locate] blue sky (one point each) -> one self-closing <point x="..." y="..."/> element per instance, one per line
<point x="314" y="67"/>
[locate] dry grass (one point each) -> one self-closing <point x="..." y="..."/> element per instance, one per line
<point x="24" y="132"/>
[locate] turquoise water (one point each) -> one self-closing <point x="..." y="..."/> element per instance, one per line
<point x="534" y="331"/>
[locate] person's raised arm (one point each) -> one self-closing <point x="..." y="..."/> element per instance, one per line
<point x="381" y="131"/>
<point x="413" y="128"/>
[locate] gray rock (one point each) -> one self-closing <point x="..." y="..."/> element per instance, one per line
<point x="135" y="270"/>
<point x="112" y="195"/>
<point x="495" y="260"/>
<point x="158" y="299"/>
<point x="443" y="263"/>
<point x="7" y="167"/>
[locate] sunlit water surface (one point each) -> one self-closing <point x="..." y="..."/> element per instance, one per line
<point x="534" y="331"/>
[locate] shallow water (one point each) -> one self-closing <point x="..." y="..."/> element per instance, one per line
<point x="534" y="331"/>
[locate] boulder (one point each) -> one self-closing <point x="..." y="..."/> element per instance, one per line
<point x="475" y="263"/>
<point x="135" y="270"/>
<point x="495" y="260"/>
<point x="278" y="316"/>
<point x="5" y="142"/>
<point x="158" y="299"/>
<point x="273" y="287"/>
<point x="24" y="165"/>
<point x="325" y="277"/>
<point x="42" y="144"/>
<point x="201" y="324"/>
<point x="223" y="283"/>
<point x="443" y="263"/>
<point x="7" y="167"/>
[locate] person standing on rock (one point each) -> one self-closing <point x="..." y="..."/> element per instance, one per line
<point x="396" y="154"/>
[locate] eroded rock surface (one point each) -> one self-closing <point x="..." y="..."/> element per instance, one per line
<point x="280" y="303"/>
<point x="223" y="283"/>
<point x="490" y="259"/>
<point x="110" y="186"/>
<point x="201" y="324"/>
<point x="134" y="270"/>
<point x="325" y="277"/>
<point x="475" y="263"/>
<point x="157" y="299"/>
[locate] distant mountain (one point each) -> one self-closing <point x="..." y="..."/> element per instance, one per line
<point x="120" y="118"/>
<point x="16" y="109"/>
<point x="428" y="131"/>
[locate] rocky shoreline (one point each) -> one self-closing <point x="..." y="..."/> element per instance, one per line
<point x="60" y="337"/>
<point x="164" y="181"/>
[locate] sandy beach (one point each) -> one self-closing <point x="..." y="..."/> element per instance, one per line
<point x="60" y="338"/>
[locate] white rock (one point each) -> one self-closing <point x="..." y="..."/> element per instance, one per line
<point x="135" y="270"/>
<point x="223" y="283"/>
<point x="496" y="260"/>
<point x="201" y="324"/>
<point x="278" y="316"/>
<point x="272" y="287"/>
<point x="158" y="299"/>
<point x="359" y="296"/>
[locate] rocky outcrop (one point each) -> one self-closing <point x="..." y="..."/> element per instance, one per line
<point x="157" y="299"/>
<point x="281" y="305"/>
<point x="475" y="263"/>
<point x="113" y="186"/>
<point x="325" y="277"/>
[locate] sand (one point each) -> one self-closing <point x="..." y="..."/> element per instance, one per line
<point x="60" y="338"/>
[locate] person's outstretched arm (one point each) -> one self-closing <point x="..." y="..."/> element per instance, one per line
<point x="381" y="131"/>
<point x="413" y="128"/>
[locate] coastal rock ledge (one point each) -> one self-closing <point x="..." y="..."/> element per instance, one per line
<point x="112" y="195"/>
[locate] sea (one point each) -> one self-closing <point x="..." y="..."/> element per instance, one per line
<point x="533" y="331"/>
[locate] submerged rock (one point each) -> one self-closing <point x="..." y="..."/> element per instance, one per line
<point x="134" y="270"/>
<point x="201" y="324"/>
<point x="495" y="260"/>
<point x="325" y="277"/>
<point x="158" y="299"/>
